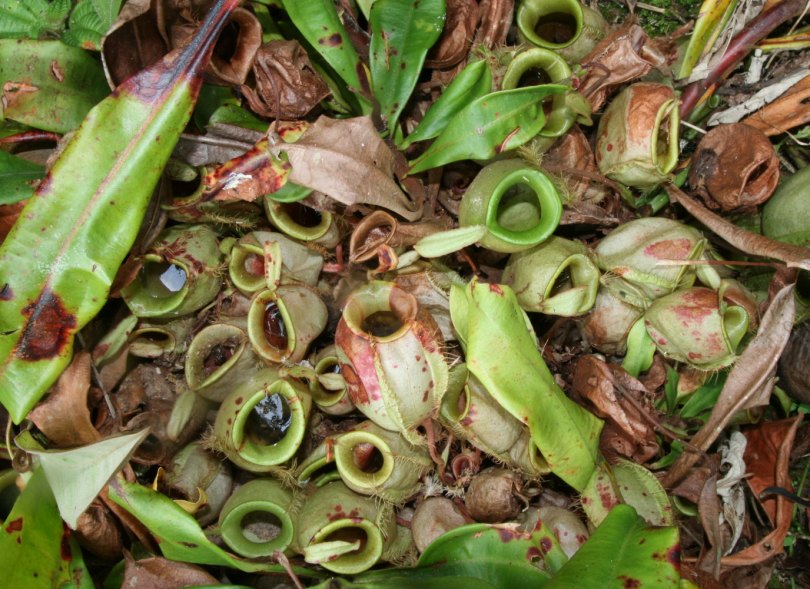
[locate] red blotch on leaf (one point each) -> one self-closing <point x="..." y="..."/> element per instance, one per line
<point x="629" y="582"/>
<point x="15" y="525"/>
<point x="64" y="545"/>
<point x="48" y="330"/>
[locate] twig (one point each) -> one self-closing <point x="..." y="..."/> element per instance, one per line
<point x="97" y="378"/>
<point x="285" y="562"/>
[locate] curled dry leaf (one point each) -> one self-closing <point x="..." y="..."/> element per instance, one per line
<point x="347" y="160"/>
<point x="767" y="458"/>
<point x="749" y="382"/>
<point x="159" y="573"/>
<point x="734" y="166"/>
<point x="747" y="242"/>
<point x="624" y="55"/>
<point x="380" y="228"/>
<point x="235" y="69"/>
<point x="459" y="28"/>
<point x="287" y="87"/>
<point x="97" y="530"/>
<point x="717" y="536"/>
<point x="786" y="112"/>
<point x="496" y="18"/>
<point x="133" y="42"/>
<point x="606" y="387"/>
<point x="146" y="30"/>
<point x="64" y="417"/>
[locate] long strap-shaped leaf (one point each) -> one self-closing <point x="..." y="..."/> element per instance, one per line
<point x="57" y="264"/>
<point x="502" y="354"/>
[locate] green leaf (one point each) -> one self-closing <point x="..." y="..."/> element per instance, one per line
<point x="490" y="125"/>
<point x="502" y="554"/>
<point x="472" y="82"/>
<point x="319" y="23"/>
<point x="36" y="548"/>
<point x="502" y="353"/>
<point x="77" y="476"/>
<point x="705" y="397"/>
<point x="443" y="243"/>
<point x="623" y="552"/>
<point x="712" y="18"/>
<point x="30" y="19"/>
<point x="90" y="21"/>
<point x="477" y="555"/>
<point x="629" y="483"/>
<point x="49" y="85"/>
<point x="218" y="104"/>
<point x="179" y="535"/>
<point x="401" y="34"/>
<point x="59" y="260"/>
<point x="16" y="176"/>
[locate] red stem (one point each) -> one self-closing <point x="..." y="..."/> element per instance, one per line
<point x="760" y="27"/>
<point x="27" y="136"/>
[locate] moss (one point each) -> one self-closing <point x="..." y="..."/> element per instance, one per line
<point x="677" y="12"/>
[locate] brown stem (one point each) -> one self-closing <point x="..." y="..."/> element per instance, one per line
<point x="740" y="46"/>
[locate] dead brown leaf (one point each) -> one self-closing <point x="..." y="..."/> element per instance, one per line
<point x="750" y="381"/>
<point x="347" y="160"/>
<point x="624" y="55"/>
<point x="747" y="242"/>
<point x="8" y="216"/>
<point x="158" y="573"/>
<point x="64" y="417"/>
<point x="607" y="387"/>
<point x="710" y="510"/>
<point x="459" y="28"/>
<point x="287" y="87"/>
<point x="734" y="166"/>
<point x="786" y="112"/>
<point x="133" y="41"/>
<point x="496" y="18"/>
<point x="97" y="530"/>
<point x="767" y="457"/>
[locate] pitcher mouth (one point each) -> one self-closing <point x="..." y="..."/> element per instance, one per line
<point x="380" y="311"/>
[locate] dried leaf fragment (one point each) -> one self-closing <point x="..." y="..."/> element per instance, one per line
<point x="287" y="87"/>
<point x="624" y="55"/>
<point x="64" y="417"/>
<point x="347" y="160"/>
<point x="750" y="243"/>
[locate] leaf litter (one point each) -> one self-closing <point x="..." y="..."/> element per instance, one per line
<point x="474" y="442"/>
